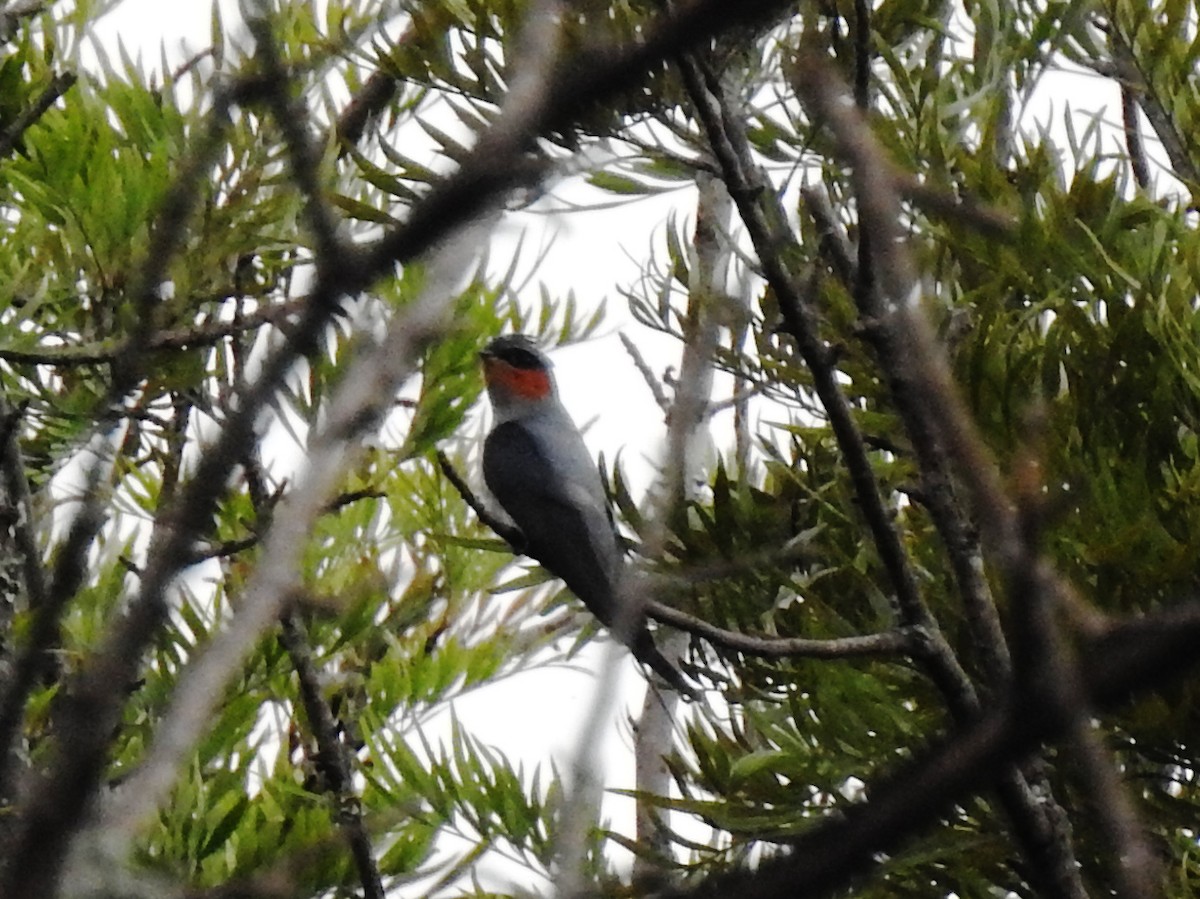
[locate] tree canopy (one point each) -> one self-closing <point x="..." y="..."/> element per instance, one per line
<point x="936" y="582"/>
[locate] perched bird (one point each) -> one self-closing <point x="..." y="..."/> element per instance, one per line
<point x="536" y="465"/>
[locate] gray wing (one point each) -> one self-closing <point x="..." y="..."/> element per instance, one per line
<point x="565" y="530"/>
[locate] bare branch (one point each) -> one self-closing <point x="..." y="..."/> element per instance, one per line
<point x="509" y="533"/>
<point x="898" y="642"/>
<point x="11" y="136"/>
<point x="1157" y="108"/>
<point x="227" y="548"/>
<point x="660" y="396"/>
<point x="373" y="98"/>
<point x="1134" y="145"/>
<point x="332" y="758"/>
<point x="167" y="339"/>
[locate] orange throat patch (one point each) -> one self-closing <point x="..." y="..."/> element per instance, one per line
<point x="526" y="383"/>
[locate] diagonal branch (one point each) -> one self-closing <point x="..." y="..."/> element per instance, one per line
<point x="11" y="136"/>
<point x="1158" y="109"/>
<point x="332" y="758"/>
<point x="774" y="243"/>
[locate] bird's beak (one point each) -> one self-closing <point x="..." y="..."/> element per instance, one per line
<point x="487" y="360"/>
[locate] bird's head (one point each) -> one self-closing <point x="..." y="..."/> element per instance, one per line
<point x="517" y="373"/>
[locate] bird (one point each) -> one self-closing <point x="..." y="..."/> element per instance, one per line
<point x="539" y="470"/>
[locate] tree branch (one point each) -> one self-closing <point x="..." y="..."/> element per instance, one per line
<point x="660" y="396"/>
<point x="331" y="759"/>
<point x="1134" y="145"/>
<point x="11" y="136"/>
<point x="1157" y="108"/>
<point x="766" y="225"/>
<point x="227" y="548"/>
<point x="509" y="533"/>
<point x="898" y="642"/>
<point x="168" y="339"/>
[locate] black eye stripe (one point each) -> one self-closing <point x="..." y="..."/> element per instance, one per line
<point x="519" y="358"/>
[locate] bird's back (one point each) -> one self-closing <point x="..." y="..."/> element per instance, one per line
<point x="544" y="478"/>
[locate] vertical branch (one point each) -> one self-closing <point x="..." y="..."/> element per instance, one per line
<point x="862" y="54"/>
<point x="16" y="486"/>
<point x="774" y="243"/>
<point x="1134" y="145"/>
<point x="22" y="585"/>
<point x="742" y="385"/>
<point x="332" y="758"/>
<point x="711" y="258"/>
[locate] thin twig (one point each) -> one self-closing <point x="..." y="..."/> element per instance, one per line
<point x="897" y="642"/>
<point x="656" y="390"/>
<point x="509" y="533"/>
<point x="332" y="758"/>
<point x="11" y="136"/>
<point x="167" y="339"/>
<point x="227" y="548"/>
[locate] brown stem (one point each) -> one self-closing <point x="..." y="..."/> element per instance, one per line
<point x="11" y="136"/>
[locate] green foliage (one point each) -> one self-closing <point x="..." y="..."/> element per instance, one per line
<point x="1074" y="336"/>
